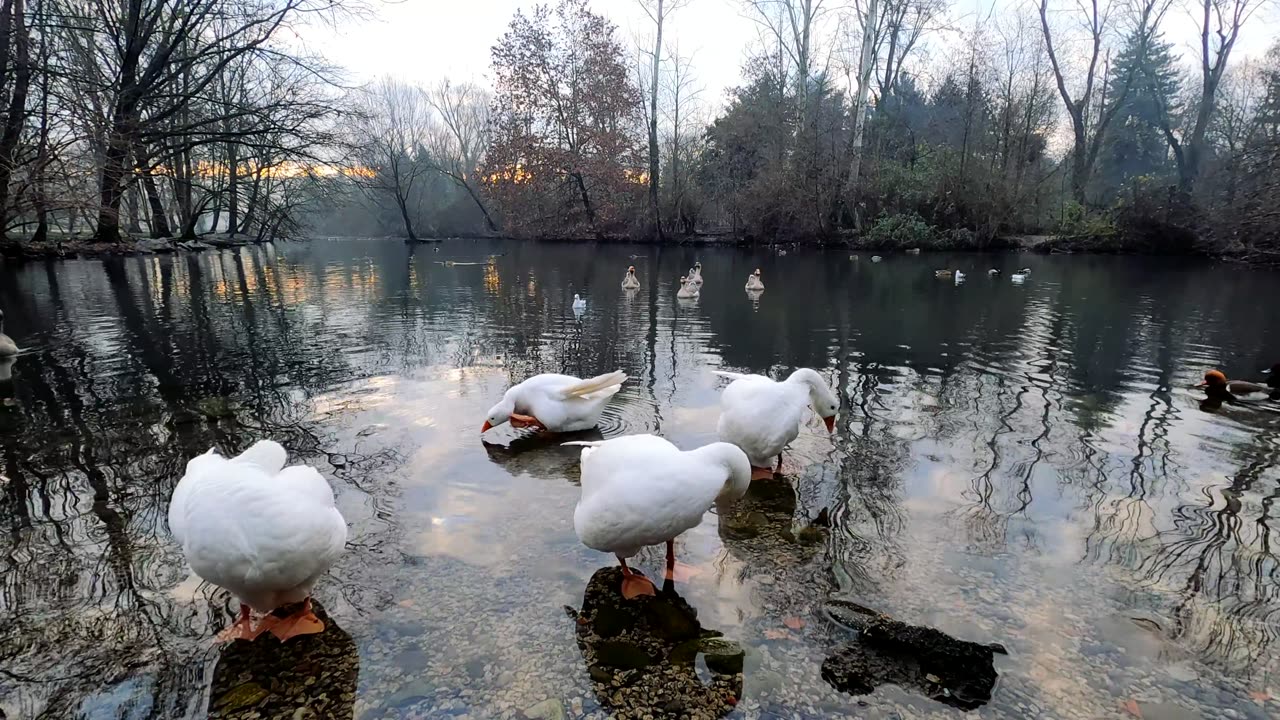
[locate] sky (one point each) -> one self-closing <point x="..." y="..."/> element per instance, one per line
<point x="424" y="40"/>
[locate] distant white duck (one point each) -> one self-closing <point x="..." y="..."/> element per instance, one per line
<point x="959" y="277"/>
<point x="913" y="251"/>
<point x="558" y="403"/>
<point x="695" y="275"/>
<point x="1021" y="275"/>
<point x="579" y="305"/>
<point x="876" y="258"/>
<point x="688" y="290"/>
<point x="630" y="281"/>
<point x="7" y="346"/>
<point x="993" y="272"/>
<point x="762" y="416"/>
<point x="754" y="282"/>
<point x="641" y="490"/>
<point x="261" y="530"/>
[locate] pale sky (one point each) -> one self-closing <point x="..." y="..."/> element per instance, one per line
<point x="424" y="40"/>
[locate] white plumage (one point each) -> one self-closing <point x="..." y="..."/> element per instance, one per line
<point x="579" y="305"/>
<point x="754" y="282"/>
<point x="762" y="416"/>
<point x="630" y="281"/>
<point x="641" y="490"/>
<point x="261" y="530"/>
<point x="688" y="290"/>
<point x="8" y="347"/>
<point x="560" y="403"/>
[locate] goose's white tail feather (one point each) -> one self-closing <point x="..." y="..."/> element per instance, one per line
<point x="265" y="454"/>
<point x="727" y="374"/>
<point x="601" y="386"/>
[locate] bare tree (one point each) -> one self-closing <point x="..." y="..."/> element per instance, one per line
<point x="793" y="25"/>
<point x="460" y="136"/>
<point x="658" y="11"/>
<point x="393" y="127"/>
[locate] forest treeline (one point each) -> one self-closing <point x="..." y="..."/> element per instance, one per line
<point x="886" y="123"/>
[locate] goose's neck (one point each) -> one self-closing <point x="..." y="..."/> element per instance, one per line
<point x="735" y="464"/>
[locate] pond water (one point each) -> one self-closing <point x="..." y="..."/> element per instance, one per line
<point x="1016" y="464"/>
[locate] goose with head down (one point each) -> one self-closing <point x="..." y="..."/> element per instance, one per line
<point x="641" y="490"/>
<point x="763" y="416"/>
<point x="264" y="531"/>
<point x="557" y="403"/>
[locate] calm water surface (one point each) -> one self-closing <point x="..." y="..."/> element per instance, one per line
<point x="1024" y="465"/>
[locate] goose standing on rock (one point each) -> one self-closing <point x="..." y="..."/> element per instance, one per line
<point x="641" y="490"/>
<point x="762" y="416"/>
<point x="630" y="281"/>
<point x="754" y="282"/>
<point x="264" y="531"/>
<point x="688" y="290"/>
<point x="8" y="347"/>
<point x="558" y="403"/>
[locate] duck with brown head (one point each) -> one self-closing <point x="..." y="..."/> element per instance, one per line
<point x="1216" y="384"/>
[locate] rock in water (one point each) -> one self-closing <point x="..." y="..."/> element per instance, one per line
<point x="642" y="654"/>
<point x="954" y="672"/>
<point x="315" y="674"/>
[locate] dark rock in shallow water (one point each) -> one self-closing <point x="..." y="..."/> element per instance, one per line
<point x="954" y="672"/>
<point x="641" y="654"/>
<point x="265" y="678"/>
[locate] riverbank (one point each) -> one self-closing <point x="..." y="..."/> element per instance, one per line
<point x="82" y="247"/>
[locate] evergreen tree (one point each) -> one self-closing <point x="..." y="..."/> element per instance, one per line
<point x="1136" y="146"/>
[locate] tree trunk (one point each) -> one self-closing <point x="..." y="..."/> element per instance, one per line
<point x="654" y="211"/>
<point x="233" y="190"/>
<point x="866" y="65"/>
<point x="159" y="220"/>
<point x="131" y="205"/>
<point x="111" y="188"/>
<point x="17" y="108"/>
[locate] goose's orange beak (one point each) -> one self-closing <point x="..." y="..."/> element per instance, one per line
<point x="831" y="423"/>
<point x="486" y="427"/>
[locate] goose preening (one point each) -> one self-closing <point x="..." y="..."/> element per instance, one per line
<point x="641" y="490"/>
<point x="876" y="258"/>
<point x="579" y="305"/>
<point x="942" y="273"/>
<point x="762" y="416"/>
<point x="630" y="281"/>
<point x="7" y="346"/>
<point x="261" y="530"/>
<point x="959" y="277"/>
<point x="1021" y="275"/>
<point x="754" y="282"/>
<point x="558" y="403"/>
<point x="688" y="290"/>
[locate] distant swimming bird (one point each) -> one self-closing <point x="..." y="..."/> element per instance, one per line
<point x="754" y="282"/>
<point x="959" y="277"/>
<point x="913" y="251"/>
<point x="579" y="305"/>
<point x="695" y="275"/>
<point x="993" y="272"/>
<point x="264" y="531"/>
<point x="876" y="258"/>
<point x="641" y="490"/>
<point x="942" y="273"/>
<point x="559" y="403"/>
<point x="7" y="346"/>
<point x="762" y="416"/>
<point x="688" y="290"/>
<point x="1021" y="275"/>
<point x="1217" y="380"/>
<point x="630" y="281"/>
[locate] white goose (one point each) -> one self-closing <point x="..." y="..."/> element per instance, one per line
<point x="754" y="282"/>
<point x="695" y="275"/>
<point x="762" y="416"/>
<point x="641" y="490"/>
<point x="261" y="530"/>
<point x="630" y="281"/>
<point x="8" y="347"/>
<point x="1021" y="276"/>
<point x="579" y="305"/>
<point x="688" y="290"/>
<point x="559" y="403"/>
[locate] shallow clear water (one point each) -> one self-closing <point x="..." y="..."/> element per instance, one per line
<point x="1025" y="465"/>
